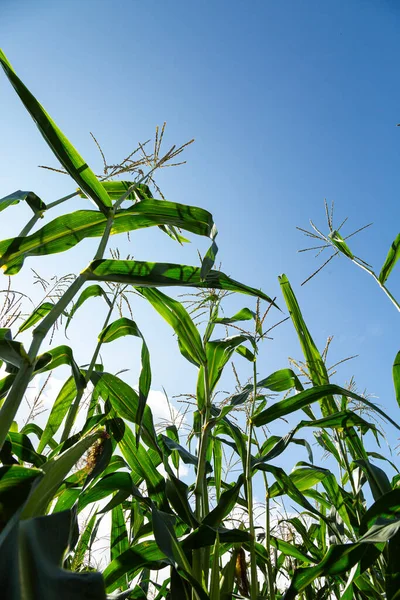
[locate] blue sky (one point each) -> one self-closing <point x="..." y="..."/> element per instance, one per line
<point x="289" y="102"/>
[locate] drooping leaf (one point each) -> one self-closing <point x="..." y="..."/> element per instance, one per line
<point x="11" y="352"/>
<point x="176" y="315"/>
<point x="31" y="559"/>
<point x="70" y="159"/>
<point x="391" y="259"/>
<point x="125" y="402"/>
<point x="36" y="316"/>
<point x="32" y="200"/>
<point x="303" y="399"/>
<point x="21" y="446"/>
<point x="89" y="292"/>
<point x="150" y="274"/>
<point x="338" y="559"/>
<point x="245" y="314"/>
<point x="66" y="231"/>
<point x="120" y="328"/>
<point x="61" y="355"/>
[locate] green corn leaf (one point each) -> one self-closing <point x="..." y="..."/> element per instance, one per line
<point x="376" y="477"/>
<point x="32" y="200"/>
<point x="107" y="485"/>
<point x="279" y="381"/>
<point x="246" y="353"/>
<point x="38" y="431"/>
<point x="61" y="355"/>
<point x="396" y="377"/>
<point x="163" y="528"/>
<point x="66" y="231"/>
<point x="5" y="384"/>
<point x="303" y="399"/>
<point x="151" y="274"/>
<point x="56" y="469"/>
<point x="168" y="446"/>
<point x="120" y="328"/>
<point x="340" y="244"/>
<point x="245" y="314"/>
<point x="89" y="292"/>
<point x="391" y="259"/>
<point x="339" y="559"/>
<point x="119" y="536"/>
<point x="21" y="446"/>
<point x="315" y="364"/>
<point x="209" y="259"/>
<point x="205" y="536"/>
<point x="176" y="315"/>
<point x="143" y="464"/>
<point x="125" y="402"/>
<point x="59" y="410"/>
<point x="70" y="159"/>
<point x="32" y="556"/>
<point x="36" y="316"/>
<point x="218" y="352"/>
<point x="304" y="478"/>
<point x="225" y="504"/>
<point x="11" y="352"/>
<point x="177" y="493"/>
<point x="173" y="434"/>
<point x="116" y="189"/>
<point x="15" y="485"/>
<point x="217" y="455"/>
<point x="83" y="544"/>
<point x="144" y="555"/>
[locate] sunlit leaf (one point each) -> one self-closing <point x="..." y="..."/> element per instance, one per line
<point x="391" y="259"/>
<point x="70" y="159"/>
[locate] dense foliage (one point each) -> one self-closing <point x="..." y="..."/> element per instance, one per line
<point x="59" y="483"/>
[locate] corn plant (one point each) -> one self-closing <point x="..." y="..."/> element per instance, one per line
<point x="60" y="483"/>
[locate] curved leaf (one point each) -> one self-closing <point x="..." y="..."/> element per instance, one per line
<point x="38" y="314"/>
<point x="303" y="399"/>
<point x="32" y="200"/>
<point x="150" y="274"/>
<point x="176" y="315"/>
<point x="58" y="412"/>
<point x="66" y="231"/>
<point x="391" y="259"/>
<point x="89" y="292"/>
<point x="71" y="160"/>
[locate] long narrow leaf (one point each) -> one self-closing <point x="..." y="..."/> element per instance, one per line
<point x="71" y="160"/>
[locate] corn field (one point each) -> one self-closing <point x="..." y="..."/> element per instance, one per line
<point x="101" y="462"/>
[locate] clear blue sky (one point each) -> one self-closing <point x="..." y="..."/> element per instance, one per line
<point x="290" y="103"/>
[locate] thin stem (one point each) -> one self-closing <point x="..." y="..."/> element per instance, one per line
<point x="75" y="406"/>
<point x="60" y="200"/>
<point x="200" y="491"/>
<point x="249" y="493"/>
<point x="30" y="224"/>
<point x="270" y="573"/>
<point x="381" y="285"/>
<point x="16" y="394"/>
